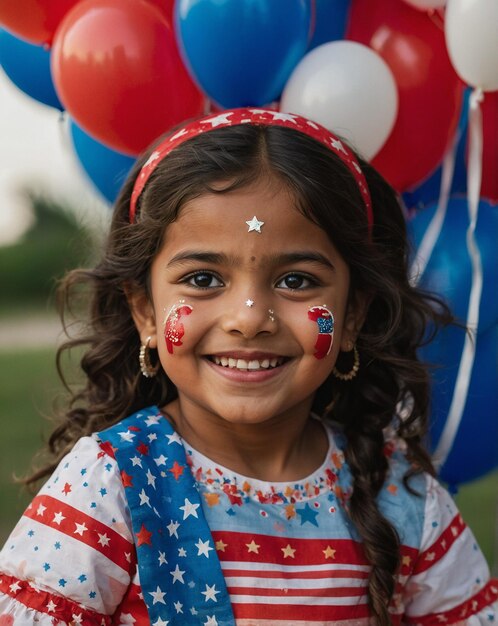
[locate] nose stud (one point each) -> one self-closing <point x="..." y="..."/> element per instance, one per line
<point x="271" y="313"/>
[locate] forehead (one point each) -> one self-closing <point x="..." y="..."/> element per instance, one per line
<point x="219" y="220"/>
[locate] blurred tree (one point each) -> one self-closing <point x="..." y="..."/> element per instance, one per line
<point x="30" y="268"/>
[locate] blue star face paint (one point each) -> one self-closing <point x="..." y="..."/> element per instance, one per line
<point x="325" y="322"/>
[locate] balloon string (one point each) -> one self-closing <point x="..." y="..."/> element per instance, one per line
<point x="65" y="136"/>
<point x="474" y="177"/>
<point x="431" y="235"/>
<point x="312" y="21"/>
<point x="494" y="567"/>
<point x="437" y="17"/>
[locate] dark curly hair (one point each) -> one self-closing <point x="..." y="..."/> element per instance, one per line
<point x="395" y="326"/>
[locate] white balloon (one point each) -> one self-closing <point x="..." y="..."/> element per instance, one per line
<point x="426" y="5"/>
<point x="348" y="88"/>
<point x="471" y="30"/>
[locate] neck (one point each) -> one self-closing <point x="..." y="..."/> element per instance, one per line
<point x="285" y="448"/>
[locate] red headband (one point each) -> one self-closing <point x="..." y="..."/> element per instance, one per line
<point x="262" y="117"/>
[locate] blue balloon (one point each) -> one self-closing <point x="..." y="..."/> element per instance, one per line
<point x="449" y="270"/>
<point x="474" y="449"/>
<point x="331" y="20"/>
<point x="28" y="67"/>
<point x="106" y="168"/>
<point x="428" y="192"/>
<point x="242" y="53"/>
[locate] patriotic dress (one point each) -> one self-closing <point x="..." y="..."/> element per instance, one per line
<point x="135" y="528"/>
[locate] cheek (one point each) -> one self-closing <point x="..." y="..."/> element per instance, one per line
<point x="323" y="337"/>
<point x="175" y="329"/>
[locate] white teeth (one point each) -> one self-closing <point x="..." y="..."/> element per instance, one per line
<point x="242" y="364"/>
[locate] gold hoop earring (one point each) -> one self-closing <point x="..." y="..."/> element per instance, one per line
<point x="148" y="370"/>
<point x="347" y="376"/>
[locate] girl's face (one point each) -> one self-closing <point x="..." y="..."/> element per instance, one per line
<point x="230" y="306"/>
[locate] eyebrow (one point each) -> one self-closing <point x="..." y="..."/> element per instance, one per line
<point x="216" y="258"/>
<point x="306" y="256"/>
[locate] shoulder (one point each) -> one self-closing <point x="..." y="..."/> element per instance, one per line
<point x="450" y="578"/>
<point x="87" y="478"/>
<point x="403" y="496"/>
<point x="445" y="576"/>
<point x="134" y="430"/>
<point x="401" y="501"/>
<point x="74" y="540"/>
<point x="85" y="489"/>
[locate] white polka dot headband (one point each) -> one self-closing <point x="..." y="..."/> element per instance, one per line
<point x="258" y="117"/>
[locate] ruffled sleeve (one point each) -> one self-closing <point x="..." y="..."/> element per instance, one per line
<point x="71" y="558"/>
<point x="450" y="581"/>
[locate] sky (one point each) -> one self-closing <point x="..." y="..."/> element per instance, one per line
<point x="36" y="154"/>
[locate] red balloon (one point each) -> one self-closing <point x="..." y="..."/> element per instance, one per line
<point x="489" y="108"/>
<point x="166" y="7"/>
<point x="34" y="20"/>
<point x="430" y="93"/>
<point x="117" y="70"/>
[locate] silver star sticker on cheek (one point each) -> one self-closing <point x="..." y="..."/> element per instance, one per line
<point x="249" y="303"/>
<point x="254" y="224"/>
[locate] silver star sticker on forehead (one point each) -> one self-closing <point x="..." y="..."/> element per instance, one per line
<point x="254" y="224"/>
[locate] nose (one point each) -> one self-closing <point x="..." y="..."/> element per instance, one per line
<point x="249" y="316"/>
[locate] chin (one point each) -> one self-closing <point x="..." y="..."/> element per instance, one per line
<point x="244" y="417"/>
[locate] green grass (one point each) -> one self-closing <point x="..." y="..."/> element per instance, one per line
<point x="478" y="503"/>
<point x="28" y="387"/>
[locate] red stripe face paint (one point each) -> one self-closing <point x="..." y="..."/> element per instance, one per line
<point x="325" y="322"/>
<point x="173" y="328"/>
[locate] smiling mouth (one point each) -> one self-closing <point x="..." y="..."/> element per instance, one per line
<point x="249" y="364"/>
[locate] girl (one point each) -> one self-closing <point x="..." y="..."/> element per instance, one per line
<point x="247" y="448"/>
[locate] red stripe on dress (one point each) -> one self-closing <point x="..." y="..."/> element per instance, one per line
<point x="253" y="548"/>
<point x="316" y="574"/>
<point x="296" y="612"/>
<point x="69" y="521"/>
<point x="481" y="600"/>
<point x="409" y="557"/>
<point x="133" y="603"/>
<point x="51" y="604"/>
<point x="327" y="592"/>
<point x="440" y="547"/>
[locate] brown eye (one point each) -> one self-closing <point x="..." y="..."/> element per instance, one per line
<point x="295" y="282"/>
<point x="204" y="280"/>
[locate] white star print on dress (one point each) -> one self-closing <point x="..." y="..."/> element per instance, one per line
<point x="284" y="549"/>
